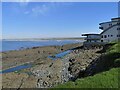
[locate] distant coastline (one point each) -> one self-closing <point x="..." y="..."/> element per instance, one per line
<point x="8" y="45"/>
<point x="39" y="39"/>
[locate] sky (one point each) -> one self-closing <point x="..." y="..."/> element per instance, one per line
<point x="54" y="19"/>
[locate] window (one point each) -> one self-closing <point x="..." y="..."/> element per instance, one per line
<point x="102" y="36"/>
<point x="118" y="35"/>
<point x="118" y="23"/>
<point x="105" y="36"/>
<point x="108" y="35"/>
<point x="111" y="35"/>
<point x="110" y="24"/>
<point x="118" y="28"/>
<point x="101" y="40"/>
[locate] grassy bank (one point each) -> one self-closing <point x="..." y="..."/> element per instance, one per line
<point x="108" y="79"/>
<point x="105" y="75"/>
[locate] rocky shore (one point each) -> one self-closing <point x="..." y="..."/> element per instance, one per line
<point x="46" y="72"/>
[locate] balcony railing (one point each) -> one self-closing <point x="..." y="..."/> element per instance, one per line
<point x="92" y="38"/>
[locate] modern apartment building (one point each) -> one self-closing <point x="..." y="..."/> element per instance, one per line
<point x="110" y="30"/>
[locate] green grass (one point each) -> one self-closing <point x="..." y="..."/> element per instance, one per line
<point x="114" y="48"/>
<point x="106" y="75"/>
<point x="113" y="55"/>
<point x="108" y="79"/>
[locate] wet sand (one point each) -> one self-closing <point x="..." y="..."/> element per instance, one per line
<point x="33" y="55"/>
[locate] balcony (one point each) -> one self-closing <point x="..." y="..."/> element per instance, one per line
<point x="93" y="38"/>
<point x="101" y="28"/>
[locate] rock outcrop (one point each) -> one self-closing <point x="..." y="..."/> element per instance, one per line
<point x="70" y="67"/>
<point x="46" y="72"/>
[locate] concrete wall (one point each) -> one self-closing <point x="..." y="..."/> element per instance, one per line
<point x="105" y="25"/>
<point x="112" y="31"/>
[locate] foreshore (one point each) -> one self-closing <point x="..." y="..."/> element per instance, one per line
<point x="18" y="57"/>
<point x="45" y="72"/>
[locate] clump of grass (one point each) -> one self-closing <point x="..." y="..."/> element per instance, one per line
<point x="117" y="62"/>
<point x="114" y="48"/>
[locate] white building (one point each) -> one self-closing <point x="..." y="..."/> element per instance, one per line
<point x="92" y="39"/>
<point x="111" y="30"/>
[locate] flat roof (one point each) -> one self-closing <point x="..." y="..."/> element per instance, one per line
<point x="105" y="22"/>
<point x="111" y="21"/>
<point x="115" y="18"/>
<point x="108" y="22"/>
<point x="89" y="34"/>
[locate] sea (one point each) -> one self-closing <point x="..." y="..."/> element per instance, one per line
<point x="8" y="45"/>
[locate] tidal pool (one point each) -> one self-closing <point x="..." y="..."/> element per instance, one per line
<point x="13" y="69"/>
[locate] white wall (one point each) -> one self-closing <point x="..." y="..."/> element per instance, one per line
<point x="106" y="25"/>
<point x="112" y="31"/>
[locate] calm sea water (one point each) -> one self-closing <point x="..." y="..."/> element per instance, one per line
<point x="17" y="45"/>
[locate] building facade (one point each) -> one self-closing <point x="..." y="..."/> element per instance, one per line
<point x="111" y="30"/>
<point x="92" y="39"/>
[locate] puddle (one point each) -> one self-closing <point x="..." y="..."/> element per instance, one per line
<point x="16" y="68"/>
<point x="59" y="55"/>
